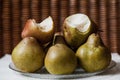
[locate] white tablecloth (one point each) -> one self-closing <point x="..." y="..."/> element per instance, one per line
<point x="8" y="74"/>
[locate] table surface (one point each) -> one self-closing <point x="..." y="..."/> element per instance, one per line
<point x="8" y="74"/>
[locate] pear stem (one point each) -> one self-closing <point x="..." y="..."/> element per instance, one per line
<point x="58" y="38"/>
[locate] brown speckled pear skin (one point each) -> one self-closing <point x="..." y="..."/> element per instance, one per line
<point x="93" y="55"/>
<point x="28" y="55"/>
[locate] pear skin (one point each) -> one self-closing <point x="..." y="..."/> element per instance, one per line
<point x="60" y="60"/>
<point x="28" y="55"/>
<point x="93" y="55"/>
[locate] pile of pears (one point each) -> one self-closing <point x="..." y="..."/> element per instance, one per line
<point x="78" y="45"/>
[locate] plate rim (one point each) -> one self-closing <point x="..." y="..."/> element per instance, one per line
<point x="86" y="74"/>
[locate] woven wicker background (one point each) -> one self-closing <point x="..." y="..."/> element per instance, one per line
<point x="14" y="13"/>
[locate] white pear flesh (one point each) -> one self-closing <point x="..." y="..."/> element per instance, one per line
<point x="79" y="21"/>
<point x="45" y="27"/>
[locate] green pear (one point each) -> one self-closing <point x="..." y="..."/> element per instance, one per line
<point x="77" y="28"/>
<point x="28" y="55"/>
<point x="60" y="59"/>
<point x="93" y="55"/>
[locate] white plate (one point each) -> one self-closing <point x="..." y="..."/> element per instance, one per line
<point x="43" y="74"/>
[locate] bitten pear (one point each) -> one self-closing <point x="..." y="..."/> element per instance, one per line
<point x="43" y="31"/>
<point x="77" y="28"/>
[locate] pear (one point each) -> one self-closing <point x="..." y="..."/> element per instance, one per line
<point x="93" y="55"/>
<point x="28" y="55"/>
<point x="60" y="59"/>
<point x="43" y="31"/>
<point x="77" y="28"/>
